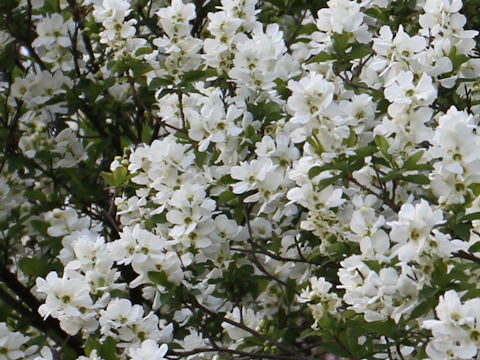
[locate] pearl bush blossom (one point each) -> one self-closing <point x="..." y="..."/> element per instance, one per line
<point x="239" y="179"/>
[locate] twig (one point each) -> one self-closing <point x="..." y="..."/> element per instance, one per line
<point x="467" y="256"/>
<point x="249" y="330"/>
<point x="257" y="262"/>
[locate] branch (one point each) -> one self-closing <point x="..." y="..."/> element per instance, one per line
<point x="354" y="84"/>
<point x="247" y="329"/>
<point x="137" y="97"/>
<point x="387" y="201"/>
<point x="248" y="355"/>
<point x="274" y="256"/>
<point x="257" y="262"/>
<point x="467" y="256"/>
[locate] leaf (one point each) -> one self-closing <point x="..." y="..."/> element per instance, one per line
<point x="423" y="308"/>
<point x="412" y="160"/>
<point x="157" y="83"/>
<point x="91" y="344"/>
<point x="340" y="43"/>
<point x="470" y="217"/>
<point x="158" y="277"/>
<point x="320" y="58"/>
<point x="307" y="29"/>
<point x="474" y="248"/>
<point x="200" y="158"/>
<point x="159" y="218"/>
<point x="143" y="51"/>
<point x="462" y="230"/>
<point x="385" y="328"/>
<point x="307" y="333"/>
<point x="335" y="348"/>
<point x="417" y="179"/>
<point x="359" y="51"/>
<point x="326" y="182"/>
<point x="471" y="294"/>
<point x="366" y="151"/>
<point x="316" y="170"/>
<point x="40" y="226"/>
<point x="108" y="349"/>
<point x="33" y="266"/>
<point x="117" y="178"/>
<point x="383" y="146"/>
<point x="392" y="175"/>
<point x="193" y="75"/>
<point x="377" y="13"/>
<point x="139" y="68"/>
<point x="226" y="196"/>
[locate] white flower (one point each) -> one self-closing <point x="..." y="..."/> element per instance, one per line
<point x="247" y="317"/>
<point x="310" y="96"/>
<point x="11" y="343"/>
<point x="149" y="350"/>
<point x="455" y="333"/>
<point x="68" y="296"/>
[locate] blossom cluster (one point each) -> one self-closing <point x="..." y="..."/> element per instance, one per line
<point x="191" y="180"/>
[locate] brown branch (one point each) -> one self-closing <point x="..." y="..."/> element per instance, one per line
<point x="137" y="97"/>
<point x="382" y="197"/>
<point x="261" y="251"/>
<point x="261" y="336"/>
<point x="466" y="256"/>
<point x="257" y="262"/>
<point x="248" y="355"/>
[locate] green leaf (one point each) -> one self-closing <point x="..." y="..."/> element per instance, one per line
<point x="227" y="180"/>
<point x="193" y="75"/>
<point x="316" y="170"/>
<point x="118" y="178"/>
<point x="157" y="83"/>
<point x="335" y="348"/>
<point x="423" y="308"/>
<point x="321" y="57"/>
<point x="328" y="181"/>
<point x="226" y="196"/>
<point x="470" y="217"/>
<point x="412" y="160"/>
<point x="158" y="277"/>
<point x="471" y="294"/>
<point x="392" y="175"/>
<point x="139" y="68"/>
<point x="340" y="43"/>
<point x="417" y="179"/>
<point x="159" y="218"/>
<point x="359" y="51"/>
<point x="307" y="333"/>
<point x="385" y="328"/>
<point x="36" y="195"/>
<point x="91" y="344"/>
<point x="33" y="266"/>
<point x="462" y="230"/>
<point x="474" y="248"/>
<point x="108" y="349"/>
<point x="366" y="151"/>
<point x="200" y="158"/>
<point x="307" y="29"/>
<point x="383" y="146"/>
<point x="377" y="13"/>
<point x="40" y="226"/>
<point x="143" y="51"/>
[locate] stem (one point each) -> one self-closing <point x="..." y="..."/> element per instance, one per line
<point x="249" y="330"/>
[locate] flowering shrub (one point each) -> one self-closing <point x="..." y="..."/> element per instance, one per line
<point x="239" y="179"/>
